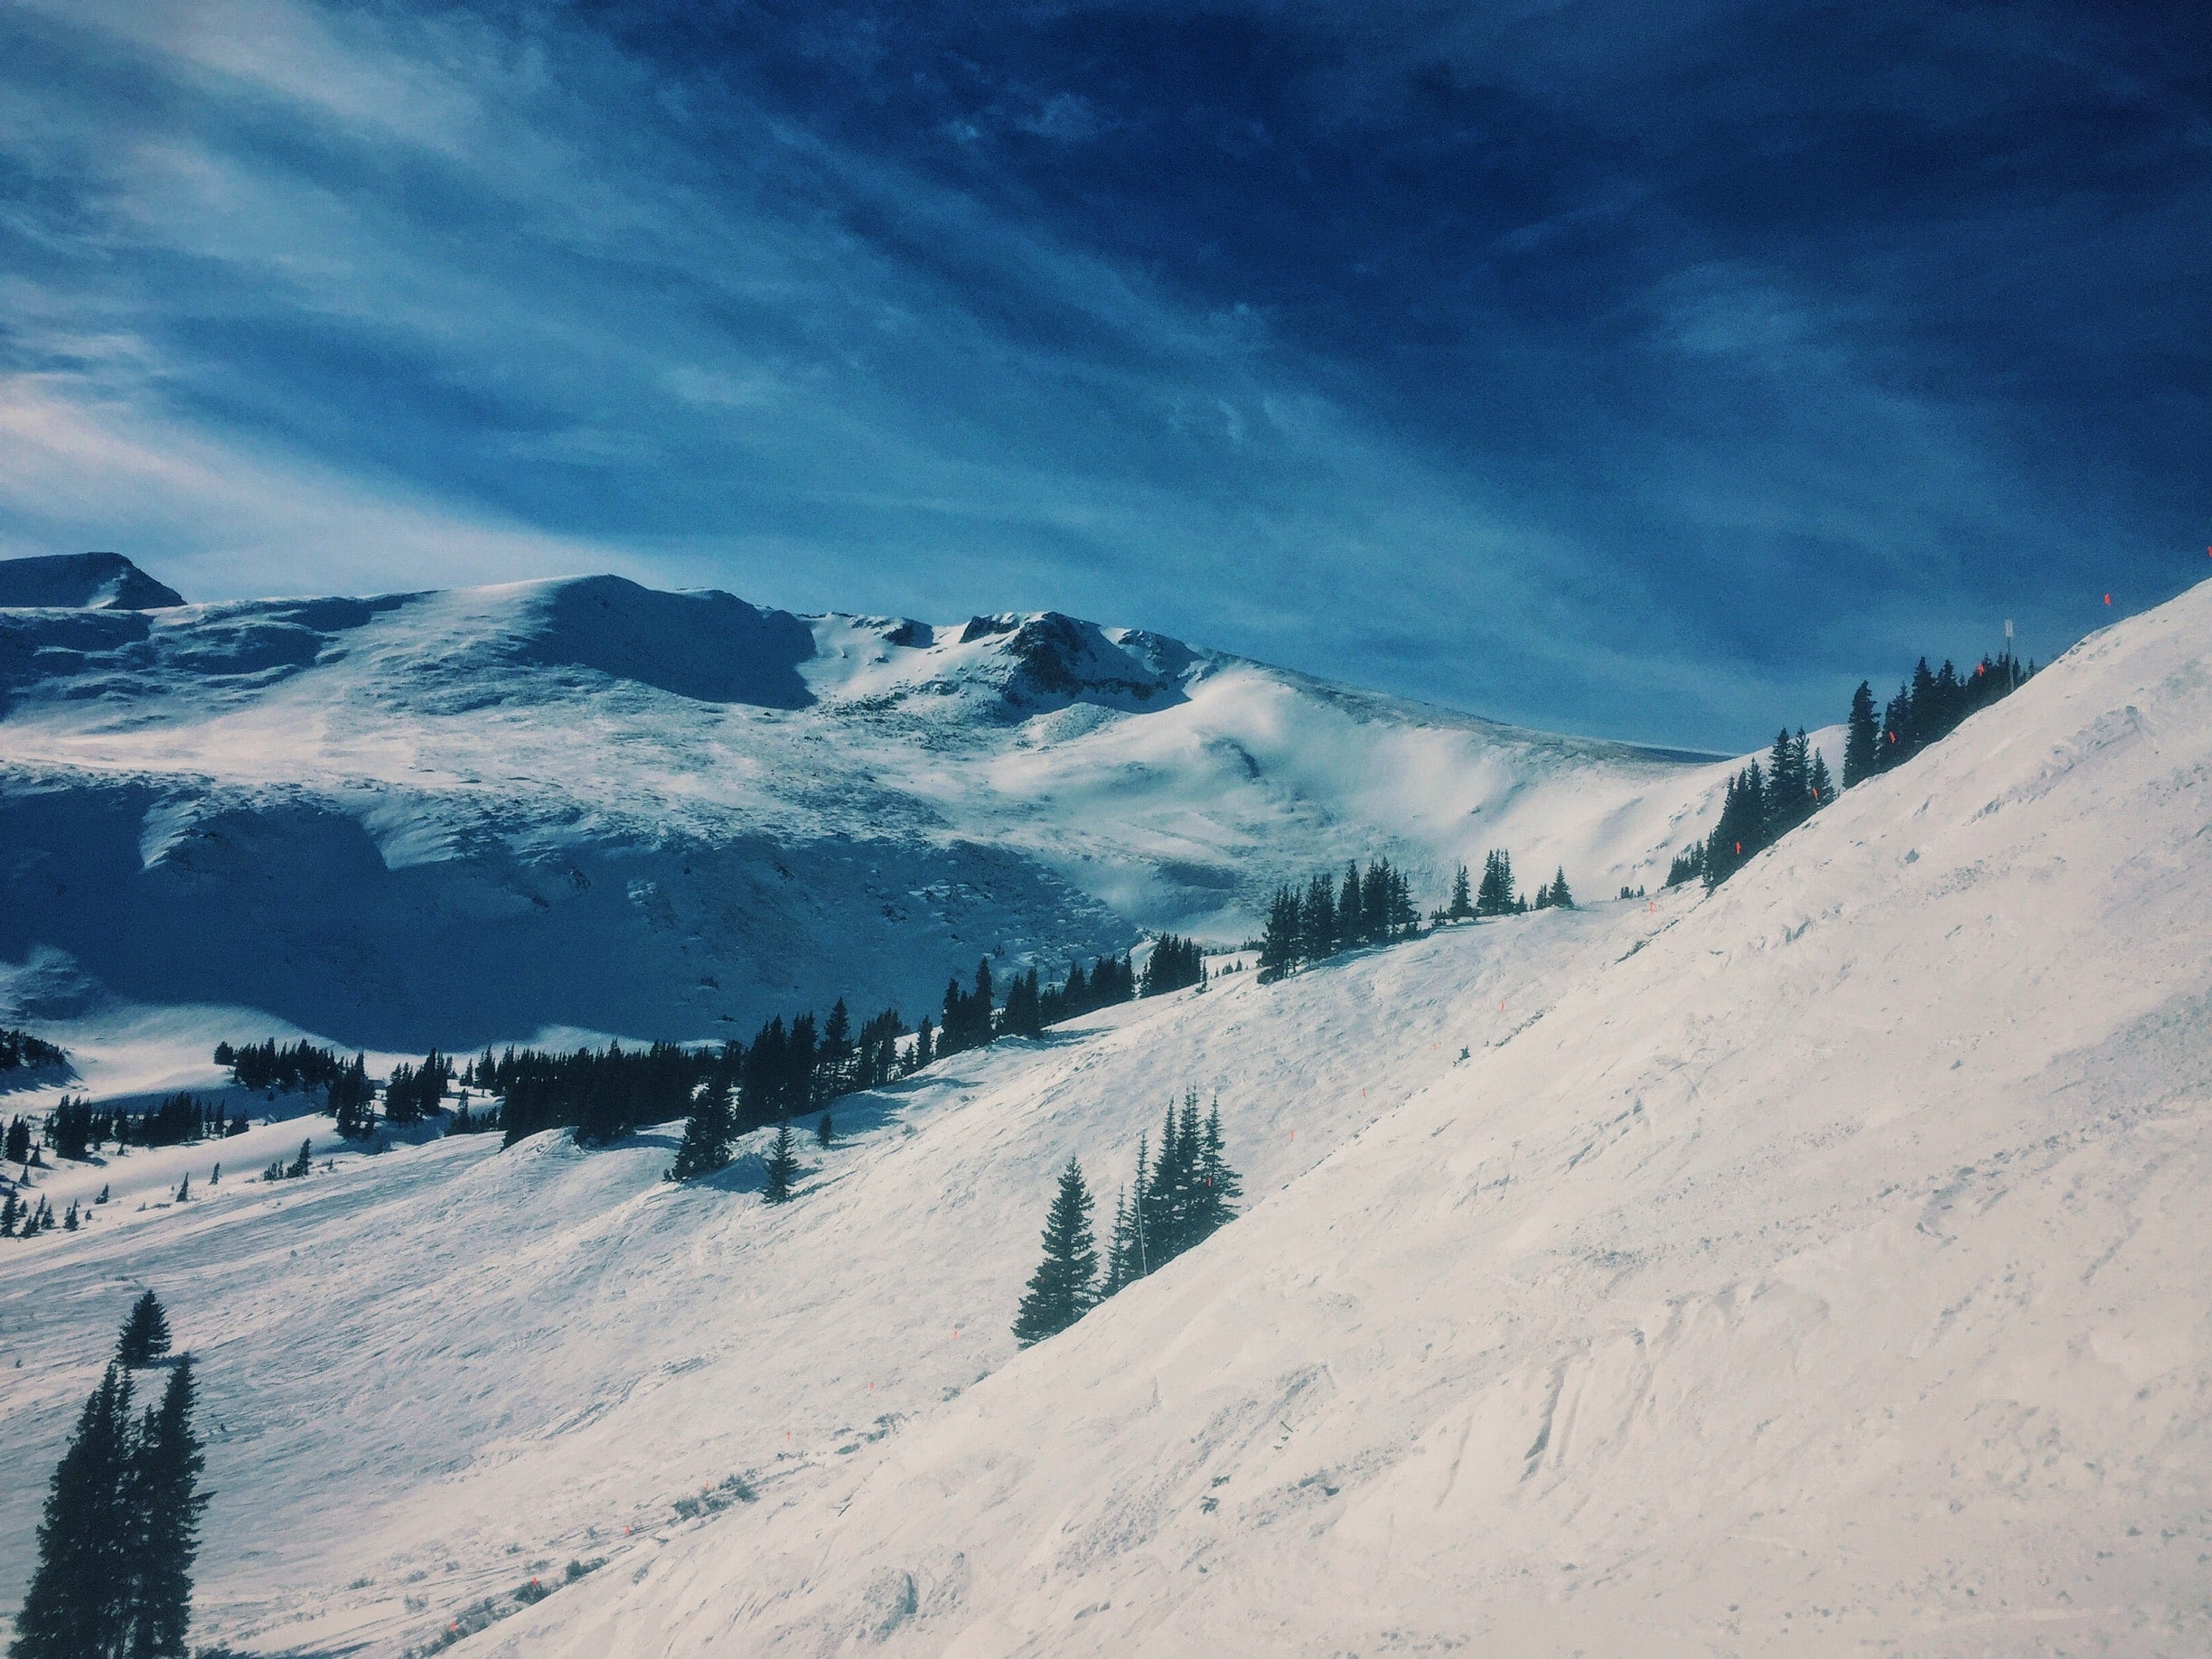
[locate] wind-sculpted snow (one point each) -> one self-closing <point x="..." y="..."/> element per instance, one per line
<point x="462" y="817"/>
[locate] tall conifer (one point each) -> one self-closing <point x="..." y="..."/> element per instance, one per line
<point x="1064" y="1286"/>
<point x="78" y="1603"/>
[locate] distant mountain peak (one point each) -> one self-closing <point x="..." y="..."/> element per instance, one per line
<point x="82" y="582"/>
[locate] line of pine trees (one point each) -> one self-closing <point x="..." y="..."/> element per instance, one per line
<point x="1308" y="926"/>
<point x="76" y="1128"/>
<point x="294" y="1066"/>
<point x="1762" y="804"/>
<point x="121" y="1531"/>
<point x="20" y="1051"/>
<point x="1180" y="1196"/>
<point x="1176" y="963"/>
<point x="1031" y="1006"/>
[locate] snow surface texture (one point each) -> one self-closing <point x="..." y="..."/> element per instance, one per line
<point x="460" y="818"/>
<point x="1815" y="1266"/>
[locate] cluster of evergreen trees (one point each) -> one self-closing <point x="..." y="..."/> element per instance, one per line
<point x="413" y="1092"/>
<point x="121" y="1531"/>
<point x="602" y="1095"/>
<point x="1327" y="917"/>
<point x="1031" y="1006"/>
<point x="1178" y="1199"/>
<point x="18" y="1050"/>
<point x="966" y="1019"/>
<point x="76" y="1128"/>
<point x="1926" y="708"/>
<point x="1498" y="897"/>
<point x="26" y="1219"/>
<point x="297" y="1065"/>
<point x="278" y="1170"/>
<point x="1762" y="804"/>
<point x="1760" y="807"/>
<point x="1176" y="962"/>
<point x="349" y="1094"/>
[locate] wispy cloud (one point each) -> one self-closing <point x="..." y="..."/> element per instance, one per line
<point x="1616" y="369"/>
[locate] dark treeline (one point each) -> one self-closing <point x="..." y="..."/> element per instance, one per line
<point x="413" y="1092"/>
<point x="601" y="1094"/>
<point x="20" y="1050"/>
<point x="1327" y="917"/>
<point x="1180" y="1196"/>
<point x="297" y="1065"/>
<point x="348" y="1092"/>
<point x="1762" y="804"/>
<point x="1176" y="962"/>
<point x="77" y="1128"/>
<point x="790" y="1069"/>
<point x="121" y="1531"/>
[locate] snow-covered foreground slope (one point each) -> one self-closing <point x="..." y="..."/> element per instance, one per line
<point x="436" y="1371"/>
<point x="1828" y="1274"/>
<point x="460" y="818"/>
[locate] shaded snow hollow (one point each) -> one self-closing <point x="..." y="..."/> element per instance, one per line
<point x="1812" y="1266"/>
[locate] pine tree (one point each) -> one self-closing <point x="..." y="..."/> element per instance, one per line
<point x="1120" y="1246"/>
<point x="78" y="1603"/>
<point x="1462" y="903"/>
<point x="1064" y="1287"/>
<point x="705" y="1146"/>
<point x="782" y="1164"/>
<point x="10" y="1214"/>
<point x="1860" y="737"/>
<point x="1817" y="783"/>
<point x="825" y="1132"/>
<point x="1278" y="945"/>
<point x="146" y="1333"/>
<point x="1560" y="898"/>
<point x="1351" y="925"/>
<point x="302" y="1163"/>
<point x="1317" y="938"/>
<point x="1495" y="897"/>
<point x="163" y="1490"/>
<point x="1218" y="1188"/>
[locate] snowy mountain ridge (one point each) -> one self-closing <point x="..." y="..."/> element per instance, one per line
<point x="673" y="813"/>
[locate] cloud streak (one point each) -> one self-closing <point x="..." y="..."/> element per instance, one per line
<point x="1653" y="374"/>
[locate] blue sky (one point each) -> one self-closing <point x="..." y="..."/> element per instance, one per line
<point x="1648" y="370"/>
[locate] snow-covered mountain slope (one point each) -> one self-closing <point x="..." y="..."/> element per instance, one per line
<point x="430" y="1375"/>
<point x="462" y="817"/>
<point x="1814" y="1266"/>
<point x="1828" y="1274"/>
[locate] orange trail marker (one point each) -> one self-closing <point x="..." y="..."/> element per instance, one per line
<point x="2107" y="598"/>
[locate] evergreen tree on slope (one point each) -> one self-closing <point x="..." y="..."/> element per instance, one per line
<point x="79" y="1602"/>
<point x="783" y="1167"/>
<point x="1064" y="1287"/>
<point x="705" y="1146"/>
<point x="146" y="1333"/>
<point x="1860" y="737"/>
<point x="164" y="1502"/>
